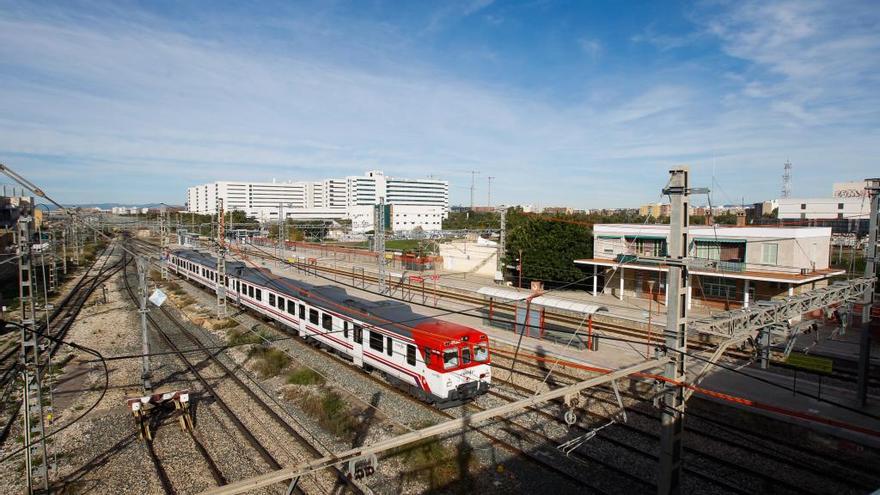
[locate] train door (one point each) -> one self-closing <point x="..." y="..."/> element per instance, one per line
<point x="357" y="349"/>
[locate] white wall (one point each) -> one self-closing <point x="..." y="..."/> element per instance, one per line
<point x="823" y="208"/>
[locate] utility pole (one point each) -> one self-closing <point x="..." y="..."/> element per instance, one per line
<point x="519" y="269"/>
<point x="64" y="250"/>
<point x="786" y="180"/>
<point x="873" y="191"/>
<point x="221" y="261"/>
<point x="142" y="267"/>
<point x="163" y="240"/>
<point x="675" y="335"/>
<point x="489" y="191"/>
<point x="379" y="241"/>
<point x="32" y="398"/>
<point x="278" y="247"/>
<point x="502" y="238"/>
<point x="474" y="174"/>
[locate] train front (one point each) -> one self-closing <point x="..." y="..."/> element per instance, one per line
<point x="457" y="360"/>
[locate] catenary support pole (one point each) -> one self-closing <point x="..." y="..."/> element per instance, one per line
<point x="675" y="336"/>
<point x="873" y="190"/>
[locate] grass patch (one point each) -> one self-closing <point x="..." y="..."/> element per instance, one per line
<point x="186" y="301"/>
<point x="328" y="408"/>
<point x="269" y="361"/>
<point x="225" y="324"/>
<point x="305" y="376"/>
<point x="430" y="461"/>
<point x="242" y="337"/>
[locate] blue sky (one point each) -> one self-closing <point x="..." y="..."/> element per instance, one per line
<point x="585" y="104"/>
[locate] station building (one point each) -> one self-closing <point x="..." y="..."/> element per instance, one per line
<point x="733" y="266"/>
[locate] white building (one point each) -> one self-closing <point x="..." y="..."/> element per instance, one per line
<point x="415" y="202"/>
<point x="844" y="208"/>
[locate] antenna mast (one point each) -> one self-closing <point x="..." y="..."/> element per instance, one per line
<point x="786" y="180"/>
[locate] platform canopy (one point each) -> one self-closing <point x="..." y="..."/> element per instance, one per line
<point x="545" y="301"/>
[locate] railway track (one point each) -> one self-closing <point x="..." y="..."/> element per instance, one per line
<point x="843" y="371"/>
<point x="55" y="325"/>
<point x="758" y="480"/>
<point x="183" y="339"/>
<point x="544" y="458"/>
<point x="778" y="465"/>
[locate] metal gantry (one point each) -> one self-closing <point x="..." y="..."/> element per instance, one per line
<point x="502" y="239"/>
<point x="873" y="190"/>
<point x="379" y="242"/>
<point x="163" y="241"/>
<point x="221" y="261"/>
<point x="35" y="450"/>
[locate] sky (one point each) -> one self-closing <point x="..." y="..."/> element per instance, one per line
<point x="582" y="104"/>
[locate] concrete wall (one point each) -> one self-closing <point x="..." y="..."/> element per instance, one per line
<point x="469" y="257"/>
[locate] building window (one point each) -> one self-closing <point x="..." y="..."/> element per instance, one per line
<point x="718" y="287"/>
<point x="803" y="206"/>
<point x="839" y="206"/>
<point x="376" y="341"/>
<point x="770" y="254"/>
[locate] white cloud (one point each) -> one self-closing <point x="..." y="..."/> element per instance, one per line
<point x="141" y="104"/>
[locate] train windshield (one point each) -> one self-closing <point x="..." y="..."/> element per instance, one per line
<point x="450" y="359"/>
<point x="465" y="355"/>
<point x="481" y="353"/>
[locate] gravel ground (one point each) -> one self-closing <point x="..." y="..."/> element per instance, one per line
<point x="487" y="468"/>
<point x="712" y="456"/>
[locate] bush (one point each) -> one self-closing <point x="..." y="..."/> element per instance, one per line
<point x="227" y="323"/>
<point x="305" y="376"/>
<point x="270" y="361"/>
<point x="241" y="337"/>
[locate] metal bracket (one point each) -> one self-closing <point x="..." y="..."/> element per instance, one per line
<point x="361" y="467"/>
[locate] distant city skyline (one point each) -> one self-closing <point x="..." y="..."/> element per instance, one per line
<point x="564" y="103"/>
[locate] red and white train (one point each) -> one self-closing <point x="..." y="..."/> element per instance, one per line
<point x="437" y="361"/>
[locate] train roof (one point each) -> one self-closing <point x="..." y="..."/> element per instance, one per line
<point x="335" y="298"/>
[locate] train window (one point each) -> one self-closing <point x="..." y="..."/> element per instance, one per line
<point x="302" y="311"/>
<point x="259" y="295"/>
<point x="376" y="341"/>
<point x="450" y="358"/>
<point x="481" y="353"/>
<point x="327" y="321"/>
<point x="411" y="355"/>
<point x="313" y="316"/>
<point x="345" y="329"/>
<point x="280" y="303"/>
<point x="251" y="291"/>
<point x="427" y="355"/>
<point x="271" y="299"/>
<point x="291" y="307"/>
<point x="358" y="334"/>
<point x="465" y="355"/>
<point x="389" y="348"/>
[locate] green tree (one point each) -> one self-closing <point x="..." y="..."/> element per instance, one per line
<point x="549" y="247"/>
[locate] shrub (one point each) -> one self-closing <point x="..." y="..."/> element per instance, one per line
<point x="227" y="323"/>
<point x="270" y="361"/>
<point x="240" y="337"/>
<point x="305" y="376"/>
